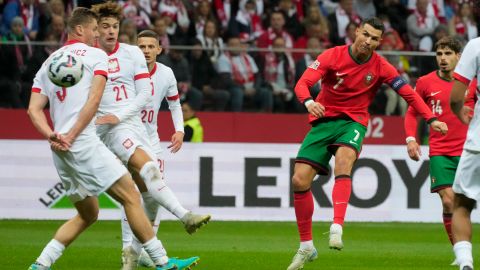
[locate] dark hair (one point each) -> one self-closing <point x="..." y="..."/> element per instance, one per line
<point x="80" y="16"/>
<point x="148" y="34"/>
<point x="108" y="9"/>
<point x="450" y="43"/>
<point x="375" y="23"/>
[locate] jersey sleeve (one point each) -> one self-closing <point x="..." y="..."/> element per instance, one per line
<point x="39" y="81"/>
<point x="467" y="66"/>
<point x="411" y="122"/>
<point x="401" y="86"/>
<point x="143" y="86"/>
<point x="173" y="100"/>
<point x="313" y="74"/>
<point x="100" y="64"/>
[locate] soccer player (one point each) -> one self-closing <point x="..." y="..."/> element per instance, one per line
<point x="164" y="86"/>
<point x="127" y="91"/>
<point x="350" y="77"/>
<point x="445" y="150"/>
<point x="85" y="166"/>
<point x="466" y="185"/>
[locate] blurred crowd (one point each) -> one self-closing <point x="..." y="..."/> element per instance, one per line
<point x="239" y="55"/>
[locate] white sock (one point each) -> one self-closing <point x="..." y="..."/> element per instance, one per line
<point x="155" y="250"/>
<point x="306" y="245"/>
<point x="127" y="234"/>
<point x="463" y="253"/>
<point x="51" y="253"/>
<point x="156" y="222"/>
<point x="160" y="192"/>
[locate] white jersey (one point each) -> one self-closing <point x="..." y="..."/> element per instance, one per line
<point x="164" y="86"/>
<point x="128" y="88"/>
<point x="466" y="70"/>
<point x="66" y="103"/>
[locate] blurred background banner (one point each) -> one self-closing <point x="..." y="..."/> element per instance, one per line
<point x="233" y="181"/>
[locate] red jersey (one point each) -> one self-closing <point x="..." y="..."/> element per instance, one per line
<point x="435" y="91"/>
<point x="348" y="87"/>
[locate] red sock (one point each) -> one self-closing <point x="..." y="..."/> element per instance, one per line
<point x="340" y="196"/>
<point x="447" y="222"/>
<point x="303" y="203"/>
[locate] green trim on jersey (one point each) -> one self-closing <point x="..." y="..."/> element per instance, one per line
<point x="355" y="59"/>
<point x="323" y="139"/>
<point x="442" y="172"/>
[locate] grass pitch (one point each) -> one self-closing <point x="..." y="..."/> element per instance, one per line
<point x="242" y="245"/>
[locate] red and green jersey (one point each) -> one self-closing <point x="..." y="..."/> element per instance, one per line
<point x="435" y="91"/>
<point x="348" y="86"/>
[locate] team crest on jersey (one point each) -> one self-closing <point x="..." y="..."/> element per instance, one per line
<point x="369" y="78"/>
<point x="433" y="180"/>
<point x="113" y="65"/>
<point x="314" y="65"/>
<point x="127" y="143"/>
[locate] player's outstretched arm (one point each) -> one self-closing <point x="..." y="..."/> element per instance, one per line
<point x="89" y="109"/>
<point x="457" y="99"/>
<point x="410" y="124"/>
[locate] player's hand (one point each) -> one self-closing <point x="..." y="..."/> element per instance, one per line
<point x="108" y="119"/>
<point x="177" y="142"/>
<point x="316" y="109"/>
<point x="439" y="126"/>
<point x="414" y="151"/>
<point x="59" y="142"/>
<point x="466" y="115"/>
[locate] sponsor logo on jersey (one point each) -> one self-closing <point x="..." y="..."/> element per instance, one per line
<point x="433" y="180"/>
<point x="314" y="65"/>
<point x="435" y="93"/>
<point x="113" y="65"/>
<point x="369" y="78"/>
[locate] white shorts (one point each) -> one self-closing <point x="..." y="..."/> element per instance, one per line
<point x="88" y="169"/>
<point x="123" y="141"/>
<point x="467" y="178"/>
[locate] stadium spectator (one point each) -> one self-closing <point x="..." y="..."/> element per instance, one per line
<point x="421" y="25"/>
<point x="339" y="20"/>
<point x="176" y="60"/>
<point x="292" y="17"/>
<point x="466" y="182"/>
<point x="247" y="22"/>
<point x="15" y="61"/>
<point x="279" y="75"/>
<point x="435" y="8"/>
<point x="311" y="31"/>
<point x="176" y="18"/>
<point x="239" y="71"/>
<point x="25" y="9"/>
<point x="129" y="28"/>
<point x="364" y="8"/>
<point x="350" y="33"/>
<point x="314" y="16"/>
<point x="211" y="42"/>
<point x="463" y="23"/>
<point x="58" y="28"/>
<point x="314" y="46"/>
<point x="160" y="27"/>
<point x="139" y="12"/>
<point x="276" y="29"/>
<point x="224" y="10"/>
<point x="192" y="125"/>
<point x="201" y="15"/>
<point x="205" y="78"/>
<point x="391" y="35"/>
<point x="397" y="14"/>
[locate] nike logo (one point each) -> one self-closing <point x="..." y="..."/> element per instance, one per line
<point x="338" y="74"/>
<point x="114" y="79"/>
<point x="434" y="93"/>
<point x="352" y="142"/>
<point x="340" y="202"/>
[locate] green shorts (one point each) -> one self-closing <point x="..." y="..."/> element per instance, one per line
<point x="442" y="172"/>
<point x="325" y="137"/>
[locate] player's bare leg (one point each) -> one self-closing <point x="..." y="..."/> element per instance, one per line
<point x="148" y="177"/>
<point x="345" y="157"/>
<point x="87" y="215"/>
<point x="462" y="231"/>
<point x="303" y="202"/>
